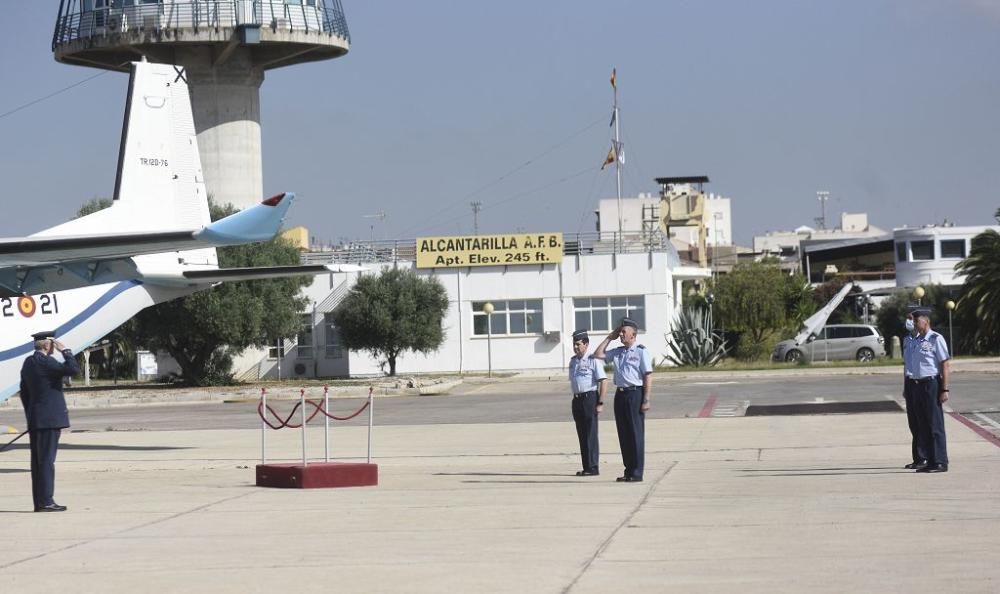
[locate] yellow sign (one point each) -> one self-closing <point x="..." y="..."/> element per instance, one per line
<point x="489" y="250"/>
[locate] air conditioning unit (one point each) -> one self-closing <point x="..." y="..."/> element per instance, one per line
<point x="551" y="336"/>
<point x="151" y="21"/>
<point x="300" y="369"/>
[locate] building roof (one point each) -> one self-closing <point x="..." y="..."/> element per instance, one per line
<point x="695" y="179"/>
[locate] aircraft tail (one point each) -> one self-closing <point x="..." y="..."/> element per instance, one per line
<point x="159" y="185"/>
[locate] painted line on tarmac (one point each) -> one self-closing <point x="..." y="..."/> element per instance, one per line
<point x="712" y="383"/>
<point x="987" y="435"/>
<point x="706" y="411"/>
<point x="987" y="420"/>
<point x="734" y="409"/>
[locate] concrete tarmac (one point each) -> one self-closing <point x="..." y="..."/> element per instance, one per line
<point x="748" y="504"/>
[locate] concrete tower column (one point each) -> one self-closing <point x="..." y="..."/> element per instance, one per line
<point x="226" y="103"/>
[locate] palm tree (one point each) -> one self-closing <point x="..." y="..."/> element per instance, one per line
<point x="981" y="293"/>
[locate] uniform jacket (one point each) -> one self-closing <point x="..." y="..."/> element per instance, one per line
<point x="41" y="390"/>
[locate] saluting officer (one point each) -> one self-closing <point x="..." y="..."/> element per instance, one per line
<point x="926" y="368"/>
<point x="634" y="378"/>
<point x="917" y="454"/>
<point x="588" y="382"/>
<point x="45" y="410"/>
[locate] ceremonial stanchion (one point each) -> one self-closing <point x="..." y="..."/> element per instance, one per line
<point x="306" y="474"/>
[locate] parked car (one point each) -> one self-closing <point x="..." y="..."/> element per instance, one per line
<point x="835" y="342"/>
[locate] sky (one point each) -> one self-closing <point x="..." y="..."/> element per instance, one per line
<point x="892" y="106"/>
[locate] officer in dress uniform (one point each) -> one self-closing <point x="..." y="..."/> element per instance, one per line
<point x="634" y="378"/>
<point x="925" y="360"/>
<point x="45" y="410"/>
<point x="588" y="382"/>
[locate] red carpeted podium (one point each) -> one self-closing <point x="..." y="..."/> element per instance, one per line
<point x="317" y="475"/>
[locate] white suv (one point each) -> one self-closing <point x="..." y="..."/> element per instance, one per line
<point x="835" y="342"/>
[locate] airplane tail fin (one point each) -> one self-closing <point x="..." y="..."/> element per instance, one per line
<point x="159" y="185"/>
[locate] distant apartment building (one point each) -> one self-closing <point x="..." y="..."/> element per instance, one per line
<point x="787" y="243"/>
<point x="641" y="215"/>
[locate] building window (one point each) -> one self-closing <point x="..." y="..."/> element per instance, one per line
<point x="922" y="250"/>
<point x="334" y="348"/>
<point x="901" y="252"/>
<point x="276" y="350"/>
<point x="598" y="314"/>
<point x="512" y="318"/>
<point x="304" y="350"/>
<point x="953" y="248"/>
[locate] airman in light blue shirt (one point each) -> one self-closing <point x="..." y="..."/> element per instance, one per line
<point x="926" y="371"/>
<point x="588" y="383"/>
<point x="634" y="378"/>
<point x="585" y="373"/>
<point x="923" y="356"/>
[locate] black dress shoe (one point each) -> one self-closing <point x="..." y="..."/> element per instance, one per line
<point x="916" y="465"/>
<point x="52" y="507"/>
<point x="934" y="468"/>
<point x="587" y="473"/>
<point x="622" y="479"/>
<point x="634" y="479"/>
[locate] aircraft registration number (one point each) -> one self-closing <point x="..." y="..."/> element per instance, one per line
<point x="27" y="306"/>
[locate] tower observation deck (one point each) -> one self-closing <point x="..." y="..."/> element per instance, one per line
<point x="225" y="46"/>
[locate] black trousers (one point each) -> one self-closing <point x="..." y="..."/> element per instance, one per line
<point x="44" y="445"/>
<point x="585" y="415"/>
<point x="909" y="394"/>
<point x="930" y="420"/>
<point x="631" y="423"/>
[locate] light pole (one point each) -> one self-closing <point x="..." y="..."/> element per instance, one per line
<point x="919" y="294"/>
<point x="950" y="306"/>
<point x="488" y="310"/>
<point x="710" y="299"/>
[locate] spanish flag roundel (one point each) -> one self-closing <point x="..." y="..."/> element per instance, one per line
<point x="26" y="305"/>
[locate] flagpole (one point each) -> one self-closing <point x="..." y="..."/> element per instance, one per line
<point x="618" y="161"/>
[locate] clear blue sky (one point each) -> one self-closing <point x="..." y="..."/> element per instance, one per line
<point x="891" y="105"/>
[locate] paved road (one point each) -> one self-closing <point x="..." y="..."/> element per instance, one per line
<point x="545" y="402"/>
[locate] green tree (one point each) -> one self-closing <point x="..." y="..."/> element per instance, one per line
<point x="93" y="205"/>
<point x="980" y="299"/>
<point x="203" y="331"/>
<point x="393" y="312"/>
<point x="891" y="314"/>
<point x="758" y="299"/>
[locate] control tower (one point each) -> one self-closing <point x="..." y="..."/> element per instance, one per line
<point x="225" y="46"/>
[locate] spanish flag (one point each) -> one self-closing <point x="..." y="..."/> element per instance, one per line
<point x="609" y="159"/>
<point x="614" y="76"/>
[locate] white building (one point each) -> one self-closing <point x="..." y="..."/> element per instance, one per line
<point x="537" y="308"/>
<point x="786" y="243"/>
<point x="641" y="215"/>
<point x="928" y="255"/>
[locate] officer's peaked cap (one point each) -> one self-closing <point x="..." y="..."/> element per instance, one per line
<point x="630" y="322"/>
<point x="44" y="335"/>
<point x="581" y="335"/>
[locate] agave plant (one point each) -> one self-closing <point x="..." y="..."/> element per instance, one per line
<point x="693" y="342"/>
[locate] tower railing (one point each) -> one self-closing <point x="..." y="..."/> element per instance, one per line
<point x="405" y="250"/>
<point x="74" y="23"/>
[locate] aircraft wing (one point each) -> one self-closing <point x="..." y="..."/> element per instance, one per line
<point x="53" y="262"/>
<point x="259" y="223"/>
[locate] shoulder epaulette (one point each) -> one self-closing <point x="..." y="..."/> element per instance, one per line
<point x="640" y="346"/>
